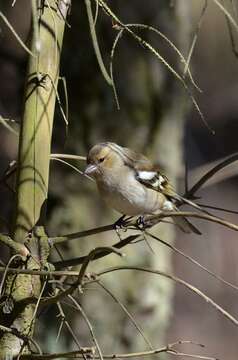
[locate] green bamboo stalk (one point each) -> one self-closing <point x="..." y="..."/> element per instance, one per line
<point x="36" y="129"/>
<point x="33" y="170"/>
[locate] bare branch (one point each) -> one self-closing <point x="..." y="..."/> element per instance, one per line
<point x="5" y="123"/>
<point x="204" y="8"/>
<point x="149" y="47"/>
<point x="90" y="327"/>
<point x="93" y="253"/>
<point x="19" y="40"/>
<point x="13" y="245"/>
<point x="192" y="260"/>
<point x="134" y="322"/>
<point x="76" y="354"/>
<point x="207" y="217"/>
<point x="179" y="281"/>
<point x="227" y="14"/>
<point x="173" y="46"/>
<point x="68" y="326"/>
<point x="68" y="156"/>
<point x="213" y="207"/>
<point x="115" y="42"/>
<point x="95" y="42"/>
<point x="6" y="268"/>
<point x="80" y="234"/>
<point x="150" y="220"/>
<point x="72" y="167"/>
<point x="101" y="254"/>
<point x="227" y="161"/>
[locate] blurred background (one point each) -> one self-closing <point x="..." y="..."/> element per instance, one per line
<point x="156" y="117"/>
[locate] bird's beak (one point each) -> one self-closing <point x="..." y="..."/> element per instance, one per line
<point x="90" y="169"/>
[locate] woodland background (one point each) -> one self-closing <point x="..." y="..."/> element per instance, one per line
<point x="156" y="118"/>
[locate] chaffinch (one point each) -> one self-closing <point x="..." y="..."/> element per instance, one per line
<point x="131" y="184"/>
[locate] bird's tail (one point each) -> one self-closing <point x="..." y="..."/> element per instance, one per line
<point x="185" y="225"/>
<point x="180" y="199"/>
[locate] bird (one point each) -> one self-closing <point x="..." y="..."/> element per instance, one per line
<point x="131" y="184"/>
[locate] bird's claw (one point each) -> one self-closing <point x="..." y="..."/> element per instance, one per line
<point x="121" y="223"/>
<point x="141" y="223"/>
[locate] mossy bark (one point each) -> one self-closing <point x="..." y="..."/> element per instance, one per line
<point x="20" y="292"/>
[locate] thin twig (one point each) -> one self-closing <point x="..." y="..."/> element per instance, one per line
<point x="37" y="306"/>
<point x="90" y="327"/>
<point x="207" y="217"/>
<point x="186" y="67"/>
<point x="192" y="260"/>
<point x="95" y="42"/>
<point x="96" y="14"/>
<point x="213" y="207"/>
<point x="179" y="281"/>
<point x="210" y="173"/>
<point x="173" y="46"/>
<point x="66" y="102"/>
<point x="72" y="167"/>
<point x="5" y="123"/>
<point x="67" y="324"/>
<point x="101" y="254"/>
<point x="232" y="38"/>
<point x="149" y="47"/>
<point x="63" y="113"/>
<point x="6" y="269"/>
<point x="151" y="220"/>
<point x="134" y="322"/>
<point x="11" y="28"/>
<point x="166" y="349"/>
<point x="115" y="42"/>
<point x="68" y="156"/>
<point x="93" y="253"/>
<point x="59" y="239"/>
<point x="226" y="13"/>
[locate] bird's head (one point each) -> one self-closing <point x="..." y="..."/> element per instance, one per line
<point x="102" y="158"/>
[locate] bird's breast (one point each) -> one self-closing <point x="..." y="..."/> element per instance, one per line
<point x="128" y="196"/>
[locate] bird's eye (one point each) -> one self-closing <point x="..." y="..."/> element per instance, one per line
<point x="101" y="159"/>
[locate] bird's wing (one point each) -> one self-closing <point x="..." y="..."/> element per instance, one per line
<point x="154" y="179"/>
<point x="145" y="171"/>
<point x="149" y="174"/>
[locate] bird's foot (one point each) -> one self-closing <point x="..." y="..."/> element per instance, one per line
<point x="121" y="224"/>
<point x="141" y="223"/>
